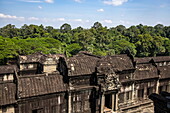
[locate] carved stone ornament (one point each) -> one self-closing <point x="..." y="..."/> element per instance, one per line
<point x="112" y="82"/>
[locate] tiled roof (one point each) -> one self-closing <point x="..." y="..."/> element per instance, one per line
<point x="104" y="67"/>
<point x="7" y="93"/>
<point x="120" y="62"/>
<point x="156" y="59"/>
<point x="164" y="72"/>
<point x="145" y="71"/>
<point x="82" y="64"/>
<point x="40" y="85"/>
<point x="143" y="60"/>
<point x="5" y="69"/>
<point x="38" y="57"/>
<point x="161" y="58"/>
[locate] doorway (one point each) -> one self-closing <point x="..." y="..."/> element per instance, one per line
<point x="108" y="101"/>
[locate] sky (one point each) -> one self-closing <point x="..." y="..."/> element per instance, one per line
<point x="84" y="12"/>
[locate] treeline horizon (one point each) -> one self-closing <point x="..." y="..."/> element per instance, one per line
<point x="140" y="40"/>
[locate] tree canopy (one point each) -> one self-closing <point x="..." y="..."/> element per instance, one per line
<point x="140" y="40"/>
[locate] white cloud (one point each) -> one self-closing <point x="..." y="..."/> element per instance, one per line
<point x="39" y="7"/>
<point x="79" y="1"/>
<point x="158" y="23"/>
<point x="78" y="20"/>
<point x="114" y="2"/>
<point x="61" y="19"/>
<point x="49" y="1"/>
<point x="7" y="16"/>
<point x="108" y="21"/>
<point x="32" y="1"/>
<point x="45" y="19"/>
<point x="10" y="17"/>
<point x="33" y="18"/>
<point x="38" y="1"/>
<point x="87" y="21"/>
<point x="124" y="22"/>
<point x="100" y="10"/>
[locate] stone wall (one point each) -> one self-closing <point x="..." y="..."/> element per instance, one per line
<point x="7" y="109"/>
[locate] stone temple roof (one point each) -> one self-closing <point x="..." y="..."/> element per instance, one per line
<point x="82" y="64"/>
<point x="38" y="57"/>
<point x="40" y="84"/>
<point x="120" y="62"/>
<point x="7" y="93"/>
<point x="7" y="69"/>
<point x="85" y="64"/>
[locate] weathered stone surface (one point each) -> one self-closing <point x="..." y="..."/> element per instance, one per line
<point x="84" y="83"/>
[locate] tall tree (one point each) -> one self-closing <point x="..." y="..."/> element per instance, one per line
<point x="97" y="25"/>
<point x="65" y="28"/>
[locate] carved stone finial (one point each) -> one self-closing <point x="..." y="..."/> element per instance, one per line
<point x="112" y="81"/>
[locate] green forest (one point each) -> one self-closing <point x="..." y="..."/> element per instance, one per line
<point x="140" y="40"/>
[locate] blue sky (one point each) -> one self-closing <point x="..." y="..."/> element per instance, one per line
<point x="84" y="12"/>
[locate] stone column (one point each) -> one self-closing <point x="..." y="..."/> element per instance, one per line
<point x="69" y="102"/>
<point x="145" y="92"/>
<point x="113" y="102"/>
<point x="168" y="88"/>
<point x="102" y="103"/>
<point x="157" y="86"/>
<point x="133" y="92"/>
<point x="116" y="101"/>
<point x="136" y="94"/>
